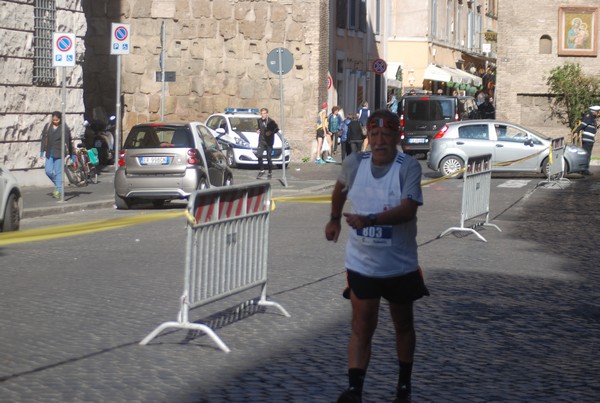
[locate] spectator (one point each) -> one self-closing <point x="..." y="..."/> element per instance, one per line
<point x="321" y="131"/>
<point x="588" y="128"/>
<point x="363" y="116"/>
<point x="334" y="124"/>
<point x="51" y="149"/>
<point x="384" y="187"/>
<point x="267" y="128"/>
<point x="344" y="137"/>
<point x="487" y="109"/>
<point x="354" y="135"/>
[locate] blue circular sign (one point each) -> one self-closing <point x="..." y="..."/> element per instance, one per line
<point x="121" y="33"/>
<point x="379" y="66"/>
<point x="64" y="43"/>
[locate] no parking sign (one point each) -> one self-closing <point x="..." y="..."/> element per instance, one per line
<point x="379" y="66"/>
<point x="119" y="39"/>
<point x="63" y="50"/>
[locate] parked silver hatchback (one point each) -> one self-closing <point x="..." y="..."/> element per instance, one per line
<point x="513" y="147"/>
<point x="166" y="161"/>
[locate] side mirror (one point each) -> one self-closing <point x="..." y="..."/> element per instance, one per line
<point x="220" y="131"/>
<point x="529" y="142"/>
<point x="112" y="118"/>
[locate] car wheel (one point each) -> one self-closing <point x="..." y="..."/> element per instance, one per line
<point x="451" y="165"/>
<point x="230" y="158"/>
<point x="11" y="219"/>
<point x="202" y="184"/>
<point x="122" y="203"/>
<point x="228" y="180"/>
<point x="545" y="166"/>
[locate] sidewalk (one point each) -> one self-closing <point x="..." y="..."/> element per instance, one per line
<point x="38" y="201"/>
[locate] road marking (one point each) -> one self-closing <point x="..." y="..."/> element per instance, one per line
<point x="514" y="183"/>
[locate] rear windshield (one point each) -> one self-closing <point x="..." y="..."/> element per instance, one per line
<point x="159" y="136"/>
<point x="430" y="109"/>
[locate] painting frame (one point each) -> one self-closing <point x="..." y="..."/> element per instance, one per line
<point x="578" y="31"/>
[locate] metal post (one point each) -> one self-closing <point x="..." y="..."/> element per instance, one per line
<point x="163" y="37"/>
<point x="283" y="178"/>
<point x="62" y="132"/>
<point x="118" y="115"/>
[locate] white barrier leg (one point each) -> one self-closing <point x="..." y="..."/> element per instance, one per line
<point x="190" y="326"/>
<point x="263" y="301"/>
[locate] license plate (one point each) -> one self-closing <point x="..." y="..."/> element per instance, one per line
<point x="155" y="160"/>
<point x="416" y="140"/>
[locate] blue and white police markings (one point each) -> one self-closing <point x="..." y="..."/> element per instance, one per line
<point x="379" y="66"/>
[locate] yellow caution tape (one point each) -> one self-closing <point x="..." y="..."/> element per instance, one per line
<point x="507" y="163"/>
<point x="63" y="231"/>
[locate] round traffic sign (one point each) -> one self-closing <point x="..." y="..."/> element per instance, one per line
<point x="280" y="61"/>
<point x="379" y="66"/>
<point x="64" y="43"/>
<point x="121" y="33"/>
<point x="329" y="82"/>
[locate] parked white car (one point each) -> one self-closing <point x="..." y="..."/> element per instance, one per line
<point x="11" y="201"/>
<point x="236" y="132"/>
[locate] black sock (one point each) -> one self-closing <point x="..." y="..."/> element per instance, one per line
<point x="404" y="374"/>
<point x="356" y="379"/>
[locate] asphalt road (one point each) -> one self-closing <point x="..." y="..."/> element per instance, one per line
<point x="515" y="319"/>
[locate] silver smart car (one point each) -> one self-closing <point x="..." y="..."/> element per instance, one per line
<point x="165" y="161"/>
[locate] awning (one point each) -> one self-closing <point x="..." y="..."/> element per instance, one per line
<point x="461" y="76"/>
<point x="394" y="83"/>
<point x="435" y="73"/>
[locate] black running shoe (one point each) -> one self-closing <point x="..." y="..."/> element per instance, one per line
<point x="403" y="394"/>
<point x="260" y="174"/>
<point x="350" y="395"/>
<point x="269" y="175"/>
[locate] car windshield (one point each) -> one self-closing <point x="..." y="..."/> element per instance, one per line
<point x="244" y="124"/>
<point x="430" y="109"/>
<point x="159" y="136"/>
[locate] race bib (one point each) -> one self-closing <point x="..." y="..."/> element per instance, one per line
<point x="378" y="235"/>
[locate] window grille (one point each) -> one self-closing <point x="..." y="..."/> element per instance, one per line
<point x="44" y="26"/>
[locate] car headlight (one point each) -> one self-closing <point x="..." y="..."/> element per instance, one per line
<point x="241" y="142"/>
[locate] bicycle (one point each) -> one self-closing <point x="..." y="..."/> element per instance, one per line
<point x="82" y="170"/>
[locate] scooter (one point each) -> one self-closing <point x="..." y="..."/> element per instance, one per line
<point x="103" y="139"/>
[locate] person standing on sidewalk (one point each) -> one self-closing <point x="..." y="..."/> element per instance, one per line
<point x="363" y="116"/>
<point x="322" y="132"/>
<point x="384" y="188"/>
<point x="51" y="149"/>
<point x="588" y="128"/>
<point x="334" y="124"/>
<point x="354" y="136"/>
<point x="267" y="128"/>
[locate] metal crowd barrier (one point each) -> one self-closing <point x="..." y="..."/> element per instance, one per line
<point x="226" y="251"/>
<point x="476" y="195"/>
<point x="556" y="170"/>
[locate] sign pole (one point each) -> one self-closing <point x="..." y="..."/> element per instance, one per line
<point x="280" y="62"/>
<point x="63" y="55"/>
<point x="163" y="35"/>
<point x="118" y="114"/>
<point x="62" y="133"/>
<point x="283" y="178"/>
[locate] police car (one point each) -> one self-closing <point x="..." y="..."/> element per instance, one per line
<point x="236" y="130"/>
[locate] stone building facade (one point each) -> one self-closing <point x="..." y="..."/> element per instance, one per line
<point x="217" y="49"/>
<point x="527" y="51"/>
<point x="31" y="91"/>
